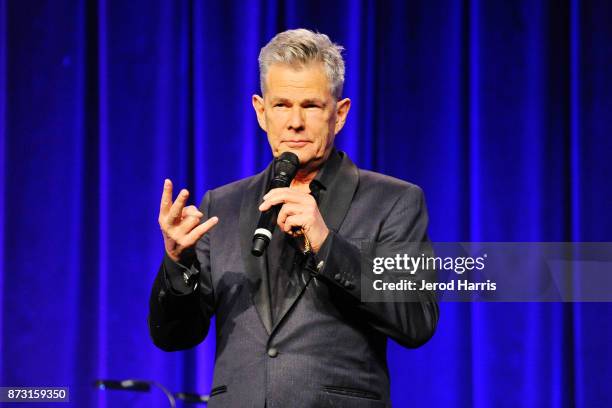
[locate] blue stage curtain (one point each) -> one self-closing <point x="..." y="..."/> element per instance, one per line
<point x="500" y="110"/>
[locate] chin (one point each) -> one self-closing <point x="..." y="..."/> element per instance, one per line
<point x="300" y="153"/>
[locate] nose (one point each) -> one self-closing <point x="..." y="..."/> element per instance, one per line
<point x="296" y="121"/>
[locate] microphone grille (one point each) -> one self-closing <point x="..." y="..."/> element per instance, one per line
<point x="287" y="163"/>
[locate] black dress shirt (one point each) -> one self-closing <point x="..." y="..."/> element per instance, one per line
<point x="285" y="259"/>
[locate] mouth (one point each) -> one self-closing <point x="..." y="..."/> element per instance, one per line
<point x="296" y="143"/>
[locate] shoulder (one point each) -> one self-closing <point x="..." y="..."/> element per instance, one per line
<point x="378" y="183"/>
<point x="229" y="196"/>
<point x="401" y="205"/>
<point x="234" y="188"/>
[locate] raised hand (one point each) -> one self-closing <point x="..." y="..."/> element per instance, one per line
<point x="180" y="225"/>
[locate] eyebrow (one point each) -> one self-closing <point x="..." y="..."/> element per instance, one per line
<point x="313" y="100"/>
<point x="304" y="102"/>
<point x="277" y="99"/>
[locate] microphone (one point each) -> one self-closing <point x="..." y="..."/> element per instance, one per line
<point x="285" y="168"/>
<point x="127" y="385"/>
<point x="145" y="386"/>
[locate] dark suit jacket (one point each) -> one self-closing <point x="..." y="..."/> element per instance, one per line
<point x="327" y="348"/>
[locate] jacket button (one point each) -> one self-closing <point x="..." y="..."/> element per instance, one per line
<point x="272" y="352"/>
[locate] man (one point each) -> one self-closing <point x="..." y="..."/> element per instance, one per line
<point x="291" y="328"/>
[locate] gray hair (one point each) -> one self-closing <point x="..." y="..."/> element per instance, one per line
<point x="299" y="48"/>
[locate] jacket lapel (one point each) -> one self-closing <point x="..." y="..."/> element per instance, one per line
<point x="255" y="267"/>
<point x="340" y="195"/>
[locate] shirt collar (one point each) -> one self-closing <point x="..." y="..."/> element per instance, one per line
<point x="326" y="174"/>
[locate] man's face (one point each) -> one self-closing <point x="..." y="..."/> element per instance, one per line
<point x="299" y="112"/>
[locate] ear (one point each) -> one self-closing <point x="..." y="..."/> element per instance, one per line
<point x="342" y="109"/>
<point x="259" y="106"/>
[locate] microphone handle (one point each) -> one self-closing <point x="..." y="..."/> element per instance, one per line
<point x="267" y="220"/>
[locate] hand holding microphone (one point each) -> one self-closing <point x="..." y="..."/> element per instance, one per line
<point x="299" y="212"/>
<point x="292" y="210"/>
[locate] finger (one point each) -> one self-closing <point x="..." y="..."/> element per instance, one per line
<point x="285" y="211"/>
<point x="297" y="221"/>
<point x="281" y="197"/>
<point x="191" y="211"/>
<point x="283" y="191"/>
<point x="177" y="207"/>
<point x="200" y="230"/>
<point x="166" y="198"/>
<point x="278" y="190"/>
<point x="188" y="223"/>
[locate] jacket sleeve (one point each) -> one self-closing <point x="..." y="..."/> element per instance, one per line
<point x="182" y="299"/>
<point x="339" y="262"/>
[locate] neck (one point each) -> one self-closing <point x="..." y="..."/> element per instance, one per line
<point x="303" y="178"/>
<point x="307" y="173"/>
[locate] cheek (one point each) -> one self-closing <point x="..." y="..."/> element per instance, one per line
<point x="274" y="122"/>
<point x="316" y="121"/>
<point x="321" y="126"/>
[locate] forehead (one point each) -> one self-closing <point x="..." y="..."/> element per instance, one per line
<point x="297" y="82"/>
